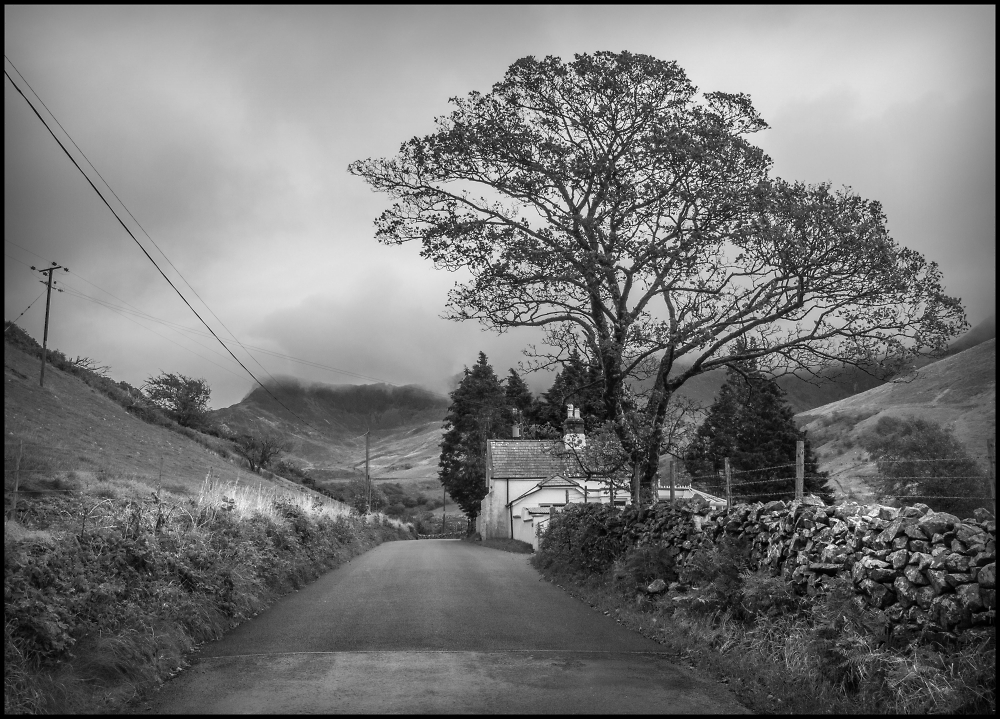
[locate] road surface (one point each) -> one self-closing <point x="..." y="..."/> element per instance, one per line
<point x="436" y="626"/>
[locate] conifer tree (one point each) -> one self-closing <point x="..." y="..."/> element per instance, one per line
<point x="479" y="411"/>
<point x="519" y="399"/>
<point x="577" y="384"/>
<point x="752" y="424"/>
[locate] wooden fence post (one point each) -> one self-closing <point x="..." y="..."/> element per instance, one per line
<point x="670" y="476"/>
<point x="991" y="453"/>
<point x="17" y="478"/>
<point x="800" y="468"/>
<point x="729" y="486"/>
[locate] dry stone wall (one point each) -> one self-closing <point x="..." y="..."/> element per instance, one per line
<point x="925" y="570"/>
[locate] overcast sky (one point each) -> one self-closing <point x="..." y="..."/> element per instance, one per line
<point x="227" y="132"/>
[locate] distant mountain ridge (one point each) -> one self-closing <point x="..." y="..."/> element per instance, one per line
<point x="340" y="407"/>
<point x="326" y="423"/>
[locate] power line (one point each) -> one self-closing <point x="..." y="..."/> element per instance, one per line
<point x="144" y="251"/>
<point x="125" y="207"/>
<point x="14" y="322"/>
<point x="74" y="292"/>
<point x="174" y="325"/>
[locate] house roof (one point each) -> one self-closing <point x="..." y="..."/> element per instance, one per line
<point x="530" y="459"/>
<point x="556" y="482"/>
<point x="559" y="481"/>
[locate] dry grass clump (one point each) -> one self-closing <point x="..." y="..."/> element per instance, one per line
<point x="515" y="546"/>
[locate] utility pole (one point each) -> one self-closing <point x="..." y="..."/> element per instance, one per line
<point x="368" y="479"/>
<point x="800" y="468"/>
<point x="729" y="485"/>
<point x="48" y="297"/>
<point x="991" y="452"/>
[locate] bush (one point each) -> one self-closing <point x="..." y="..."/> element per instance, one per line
<point x="762" y="595"/>
<point x="716" y="575"/>
<point x="358" y="496"/>
<point x="119" y="602"/>
<point x="586" y="538"/>
<point x="920" y="459"/>
<point x="642" y="565"/>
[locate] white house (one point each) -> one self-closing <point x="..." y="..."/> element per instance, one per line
<point x="529" y="480"/>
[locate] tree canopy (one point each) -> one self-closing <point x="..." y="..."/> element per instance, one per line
<point x="608" y="202"/>
<point x="261" y="446"/>
<point x="185" y="399"/>
<point x="922" y="460"/>
<point x="579" y="384"/>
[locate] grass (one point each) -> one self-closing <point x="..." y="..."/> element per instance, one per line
<point x="824" y="656"/>
<point x="515" y="546"/>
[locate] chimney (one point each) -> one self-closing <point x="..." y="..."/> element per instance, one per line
<point x="516" y="431"/>
<point x="573" y="435"/>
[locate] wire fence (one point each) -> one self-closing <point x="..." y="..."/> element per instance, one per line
<point x="733" y="490"/>
<point x="735" y="484"/>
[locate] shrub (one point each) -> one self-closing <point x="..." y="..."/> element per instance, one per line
<point x="586" y="538"/>
<point x="145" y="580"/>
<point x="763" y="595"/>
<point x="642" y="565"/>
<point x="716" y="575"/>
<point x="918" y="458"/>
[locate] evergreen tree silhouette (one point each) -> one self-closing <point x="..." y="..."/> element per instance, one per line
<point x="479" y="411"/>
<point x="752" y="424"/>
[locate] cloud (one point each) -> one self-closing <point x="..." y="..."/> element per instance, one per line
<point x="389" y="328"/>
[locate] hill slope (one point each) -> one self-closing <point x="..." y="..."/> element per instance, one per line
<point x="958" y="391"/>
<point x="985" y="330"/>
<point x="329" y="422"/>
<point x="69" y="426"/>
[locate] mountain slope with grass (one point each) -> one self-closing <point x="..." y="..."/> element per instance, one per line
<point x="957" y="392"/>
<point x="326" y="425"/>
<point x="70" y="427"/>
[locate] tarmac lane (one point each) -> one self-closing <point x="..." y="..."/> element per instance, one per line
<point x="436" y="626"/>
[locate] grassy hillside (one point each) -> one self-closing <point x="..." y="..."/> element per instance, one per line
<point x="329" y="421"/>
<point x="958" y="391"/>
<point x="327" y="436"/>
<point x="71" y="427"/>
<point x="129" y="543"/>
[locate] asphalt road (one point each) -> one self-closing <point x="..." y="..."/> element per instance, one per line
<point x="436" y="626"/>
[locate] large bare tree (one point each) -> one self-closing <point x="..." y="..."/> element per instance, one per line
<point x="608" y="202"/>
